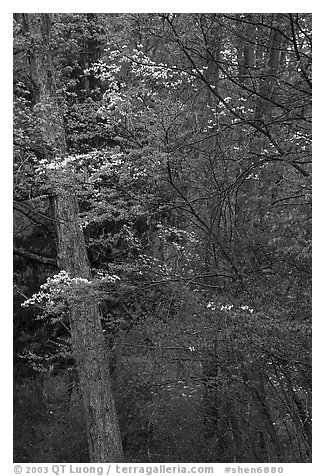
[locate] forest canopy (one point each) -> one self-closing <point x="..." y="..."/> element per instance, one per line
<point x="162" y="237"/>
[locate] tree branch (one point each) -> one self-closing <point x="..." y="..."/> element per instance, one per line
<point x="35" y="257"/>
<point x="34" y="215"/>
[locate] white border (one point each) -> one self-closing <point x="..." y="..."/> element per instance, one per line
<point x="317" y="467"/>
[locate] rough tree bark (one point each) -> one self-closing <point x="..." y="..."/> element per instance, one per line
<point x="86" y="331"/>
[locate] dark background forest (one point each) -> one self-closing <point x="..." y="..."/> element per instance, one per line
<point x="188" y="149"/>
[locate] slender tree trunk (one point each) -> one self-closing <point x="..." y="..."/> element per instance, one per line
<point x="87" y="337"/>
<point x="268" y="81"/>
<point x="245" y="49"/>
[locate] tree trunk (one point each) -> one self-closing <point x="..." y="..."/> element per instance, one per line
<point x="86" y="331"/>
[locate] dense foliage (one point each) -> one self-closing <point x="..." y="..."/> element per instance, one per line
<point x="189" y="139"/>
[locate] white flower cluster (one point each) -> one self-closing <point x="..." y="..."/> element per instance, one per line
<point x="247" y="308"/>
<point x="141" y="67"/>
<point x="90" y="165"/>
<point x="54" y="293"/>
<point x="137" y="173"/>
<point x="46" y="295"/>
<point x="227" y="307"/>
<point x="107" y="72"/>
<point x="37" y="298"/>
<point x="58" y="163"/>
<point x="110" y="278"/>
<point x="211" y="305"/>
<point x="61" y="163"/>
<point x="169" y="231"/>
